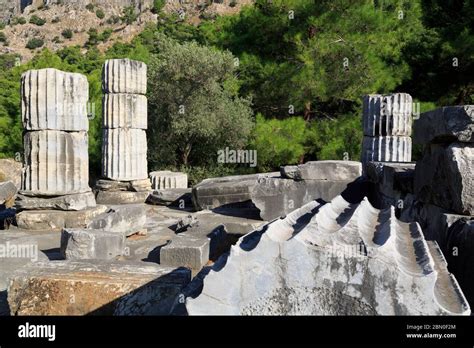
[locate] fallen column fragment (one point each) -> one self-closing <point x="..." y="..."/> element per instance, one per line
<point x="336" y="258"/>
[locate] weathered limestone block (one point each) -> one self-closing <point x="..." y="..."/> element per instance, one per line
<point x="162" y="180"/>
<point x="10" y="170"/>
<point x="337" y="258"/>
<point x="181" y="197"/>
<point x="56" y="163"/>
<point x="271" y="195"/>
<point x="447" y="124"/>
<point x="324" y="170"/>
<point x="387" y="115"/>
<point x="126" y="220"/>
<point x="133" y="185"/>
<point x="445" y="177"/>
<point x="386" y="149"/>
<point x="121" y="197"/>
<point x="99" y="287"/>
<point x="88" y="244"/>
<point x="124" y="154"/>
<point x="78" y="201"/>
<point x="124" y="76"/>
<point x="185" y="250"/>
<point x="56" y="219"/>
<point x="125" y="111"/>
<point x="54" y="100"/>
<point x="7" y="191"/>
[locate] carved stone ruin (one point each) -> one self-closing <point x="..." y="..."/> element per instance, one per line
<point x="124" y="143"/>
<point x="55" y="175"/>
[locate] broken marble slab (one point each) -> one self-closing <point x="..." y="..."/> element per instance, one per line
<point x="387" y="115"/>
<point x="126" y="220"/>
<point x="56" y="163"/>
<point x="176" y="197"/>
<point x="323" y="170"/>
<point x="123" y="110"/>
<point x="54" y="100"/>
<point x="88" y="244"/>
<point x="79" y="201"/>
<point x="165" y="179"/>
<point x="445" y="125"/>
<point x="445" y="177"/>
<point x="185" y="250"/>
<point x="97" y="287"/>
<point x="270" y="194"/>
<point x="57" y="219"/>
<point x="121" y="197"/>
<point x="8" y="190"/>
<point x="124" y="76"/>
<point x="336" y="258"/>
<point x="133" y="185"/>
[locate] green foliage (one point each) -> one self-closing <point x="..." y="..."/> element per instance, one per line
<point x="100" y="13"/>
<point x="18" y="20"/>
<point x="34" y="43"/>
<point x="278" y="142"/>
<point x="105" y="35"/>
<point x="129" y="15"/>
<point x="3" y="37"/>
<point x="37" y="20"/>
<point x="194" y="109"/>
<point x="158" y="5"/>
<point x="67" y="33"/>
<point x="90" y="7"/>
<point x="113" y="20"/>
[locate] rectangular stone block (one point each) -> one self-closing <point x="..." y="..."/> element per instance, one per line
<point x="386" y="149"/>
<point x="78" y="201"/>
<point x="55" y="100"/>
<point x="95" y="288"/>
<point x="124" y="76"/>
<point x="324" y="170"/>
<point x="387" y="115"/>
<point x="124" y="154"/>
<point x="56" y="163"/>
<point x="445" y="125"/>
<point x="89" y="244"/>
<point x="123" y="110"/>
<point x="445" y="177"/>
<point x="40" y="220"/>
<point x="185" y="250"/>
<point x="126" y="220"/>
<point x="7" y="191"/>
<point x="121" y="197"/>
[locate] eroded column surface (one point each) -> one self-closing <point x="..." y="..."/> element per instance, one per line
<point x="387" y="126"/>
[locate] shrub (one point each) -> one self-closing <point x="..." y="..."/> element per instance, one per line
<point x="67" y="34"/>
<point x="233" y="3"/>
<point x="3" y="37"/>
<point x="129" y="15"/>
<point x="100" y="13"/>
<point x="18" y="20"/>
<point x="37" y="20"/>
<point x="158" y="5"/>
<point x="34" y="43"/>
<point x="90" y="7"/>
<point x="105" y="35"/>
<point x="56" y="39"/>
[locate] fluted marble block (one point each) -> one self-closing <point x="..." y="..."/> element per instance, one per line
<point x="387" y="115"/>
<point x="123" y="110"/>
<point x="56" y="163"/>
<point x="386" y="149"/>
<point x="124" y="76"/>
<point x="124" y="154"/>
<point x="55" y="100"/>
<point x="163" y="180"/>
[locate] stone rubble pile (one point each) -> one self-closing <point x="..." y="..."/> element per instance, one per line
<point x="124" y="142"/>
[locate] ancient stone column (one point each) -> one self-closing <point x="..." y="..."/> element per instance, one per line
<point x="124" y="143"/>
<point x="387" y="128"/>
<point x="56" y="163"/>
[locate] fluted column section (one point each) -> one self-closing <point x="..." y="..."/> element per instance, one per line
<point x="387" y="126"/>
<point x="54" y="116"/>
<point x="124" y="145"/>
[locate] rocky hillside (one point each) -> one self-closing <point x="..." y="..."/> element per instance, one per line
<point x="31" y="25"/>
